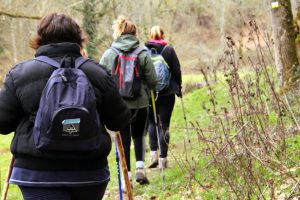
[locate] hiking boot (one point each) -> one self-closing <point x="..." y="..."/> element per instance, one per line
<point x="163" y="163"/>
<point x="124" y="190"/>
<point x="153" y="159"/>
<point x="140" y="176"/>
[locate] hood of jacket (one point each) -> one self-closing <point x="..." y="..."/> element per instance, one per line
<point x="126" y="42"/>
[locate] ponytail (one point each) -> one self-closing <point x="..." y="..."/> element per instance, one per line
<point x="122" y="26"/>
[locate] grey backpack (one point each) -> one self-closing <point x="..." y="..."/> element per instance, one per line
<point x="126" y="74"/>
<point x="162" y="69"/>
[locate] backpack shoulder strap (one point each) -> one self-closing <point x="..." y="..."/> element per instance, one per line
<point x="116" y="50"/>
<point x="138" y="50"/>
<point x="165" y="47"/>
<point x="150" y="50"/>
<point x="145" y="47"/>
<point x="48" y="60"/>
<point x="79" y="61"/>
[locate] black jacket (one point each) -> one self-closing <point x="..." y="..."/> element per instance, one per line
<point x="19" y="101"/>
<point x="171" y="58"/>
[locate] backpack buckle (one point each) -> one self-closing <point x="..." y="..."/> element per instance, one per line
<point x="64" y="78"/>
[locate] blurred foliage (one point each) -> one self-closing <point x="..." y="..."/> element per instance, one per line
<point x="192" y="26"/>
<point x="1" y="49"/>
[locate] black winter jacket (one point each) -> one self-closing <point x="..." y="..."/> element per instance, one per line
<point x="171" y="58"/>
<point x="19" y="101"/>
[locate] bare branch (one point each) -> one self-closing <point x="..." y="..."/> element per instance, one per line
<point x="18" y="15"/>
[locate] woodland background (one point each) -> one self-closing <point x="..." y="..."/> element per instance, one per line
<point x="196" y="28"/>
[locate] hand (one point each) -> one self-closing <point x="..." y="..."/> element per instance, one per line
<point x="179" y="94"/>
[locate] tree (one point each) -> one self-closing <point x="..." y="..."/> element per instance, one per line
<point x="284" y="39"/>
<point x="296" y="14"/>
<point x="295" y="6"/>
<point x="90" y="25"/>
<point x="93" y="11"/>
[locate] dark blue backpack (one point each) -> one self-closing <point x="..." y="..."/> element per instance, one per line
<point x="67" y="118"/>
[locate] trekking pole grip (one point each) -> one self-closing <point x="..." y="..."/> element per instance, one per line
<point x="124" y="166"/>
<point x="6" y="183"/>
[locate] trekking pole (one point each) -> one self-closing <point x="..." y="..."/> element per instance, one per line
<point x="157" y="129"/>
<point x="6" y="183"/>
<point x="186" y="124"/>
<point x="184" y="116"/>
<point x="118" y="168"/>
<point x="124" y="166"/>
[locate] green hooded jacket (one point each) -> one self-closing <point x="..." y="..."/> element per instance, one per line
<point x="108" y="60"/>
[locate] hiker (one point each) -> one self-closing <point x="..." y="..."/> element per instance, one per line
<point x="44" y="172"/>
<point x="165" y="99"/>
<point x="126" y="42"/>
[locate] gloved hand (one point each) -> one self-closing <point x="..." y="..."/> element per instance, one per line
<point x="179" y="94"/>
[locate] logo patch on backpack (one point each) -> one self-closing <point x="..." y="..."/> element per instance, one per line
<point x="71" y="127"/>
<point x="162" y="69"/>
<point x="67" y="117"/>
<point x="127" y="73"/>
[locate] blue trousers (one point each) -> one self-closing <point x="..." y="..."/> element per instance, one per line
<point x="64" y="193"/>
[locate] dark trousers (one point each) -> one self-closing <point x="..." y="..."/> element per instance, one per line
<point x="164" y="108"/>
<point x="137" y="130"/>
<point x="64" y="193"/>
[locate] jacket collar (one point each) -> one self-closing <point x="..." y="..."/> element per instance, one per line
<point x="58" y="49"/>
<point x="162" y="42"/>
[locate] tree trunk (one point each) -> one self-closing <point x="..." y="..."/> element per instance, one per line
<point x="222" y="26"/>
<point x="13" y="40"/>
<point x="284" y="39"/>
<point x="296" y="14"/>
<point x="295" y="6"/>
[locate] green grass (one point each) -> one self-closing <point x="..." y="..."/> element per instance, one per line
<point x="293" y="150"/>
<point x="5" y="155"/>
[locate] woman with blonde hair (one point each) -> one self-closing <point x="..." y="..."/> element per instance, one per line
<point x="165" y="99"/>
<point x="126" y="41"/>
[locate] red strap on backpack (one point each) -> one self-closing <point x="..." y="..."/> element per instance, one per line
<point x="136" y="71"/>
<point x="118" y="68"/>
